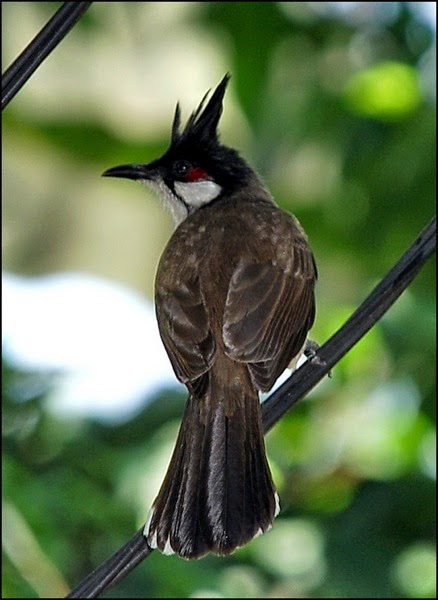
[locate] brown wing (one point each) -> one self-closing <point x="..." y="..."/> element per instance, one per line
<point x="185" y="328"/>
<point x="269" y="309"/>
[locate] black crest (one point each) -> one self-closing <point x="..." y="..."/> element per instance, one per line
<point x="203" y="122"/>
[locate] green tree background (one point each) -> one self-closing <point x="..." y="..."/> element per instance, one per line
<point x="334" y="104"/>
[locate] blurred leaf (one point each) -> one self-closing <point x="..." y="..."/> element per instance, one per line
<point x="387" y="91"/>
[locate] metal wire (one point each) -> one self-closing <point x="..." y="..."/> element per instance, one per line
<point x="40" y="47"/>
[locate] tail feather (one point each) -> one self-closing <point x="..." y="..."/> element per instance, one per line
<point x="173" y="522"/>
<point x="218" y="492"/>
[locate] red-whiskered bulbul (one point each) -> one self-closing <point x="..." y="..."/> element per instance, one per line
<point x="234" y="298"/>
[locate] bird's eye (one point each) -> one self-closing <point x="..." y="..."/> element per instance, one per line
<point x="181" y="168"/>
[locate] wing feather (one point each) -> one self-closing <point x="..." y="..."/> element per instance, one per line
<point x="185" y="328"/>
<point x="268" y="311"/>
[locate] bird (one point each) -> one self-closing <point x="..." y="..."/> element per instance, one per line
<point x="234" y="301"/>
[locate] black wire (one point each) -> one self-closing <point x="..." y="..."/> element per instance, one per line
<point x="40" y="47"/>
<point x="113" y="569"/>
<point x="301" y="382"/>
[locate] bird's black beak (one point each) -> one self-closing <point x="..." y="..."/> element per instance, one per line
<point x="132" y="172"/>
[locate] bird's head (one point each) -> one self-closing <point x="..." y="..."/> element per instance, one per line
<point x="196" y="169"/>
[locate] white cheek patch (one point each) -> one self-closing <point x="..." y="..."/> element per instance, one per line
<point x="197" y="193"/>
<point x="178" y="211"/>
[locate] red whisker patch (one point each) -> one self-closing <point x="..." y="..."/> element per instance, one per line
<point x="196" y="174"/>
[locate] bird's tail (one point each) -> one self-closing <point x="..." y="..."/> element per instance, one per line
<point x="218" y="492"/>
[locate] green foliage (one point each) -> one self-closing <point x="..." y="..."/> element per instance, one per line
<point x="340" y="121"/>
